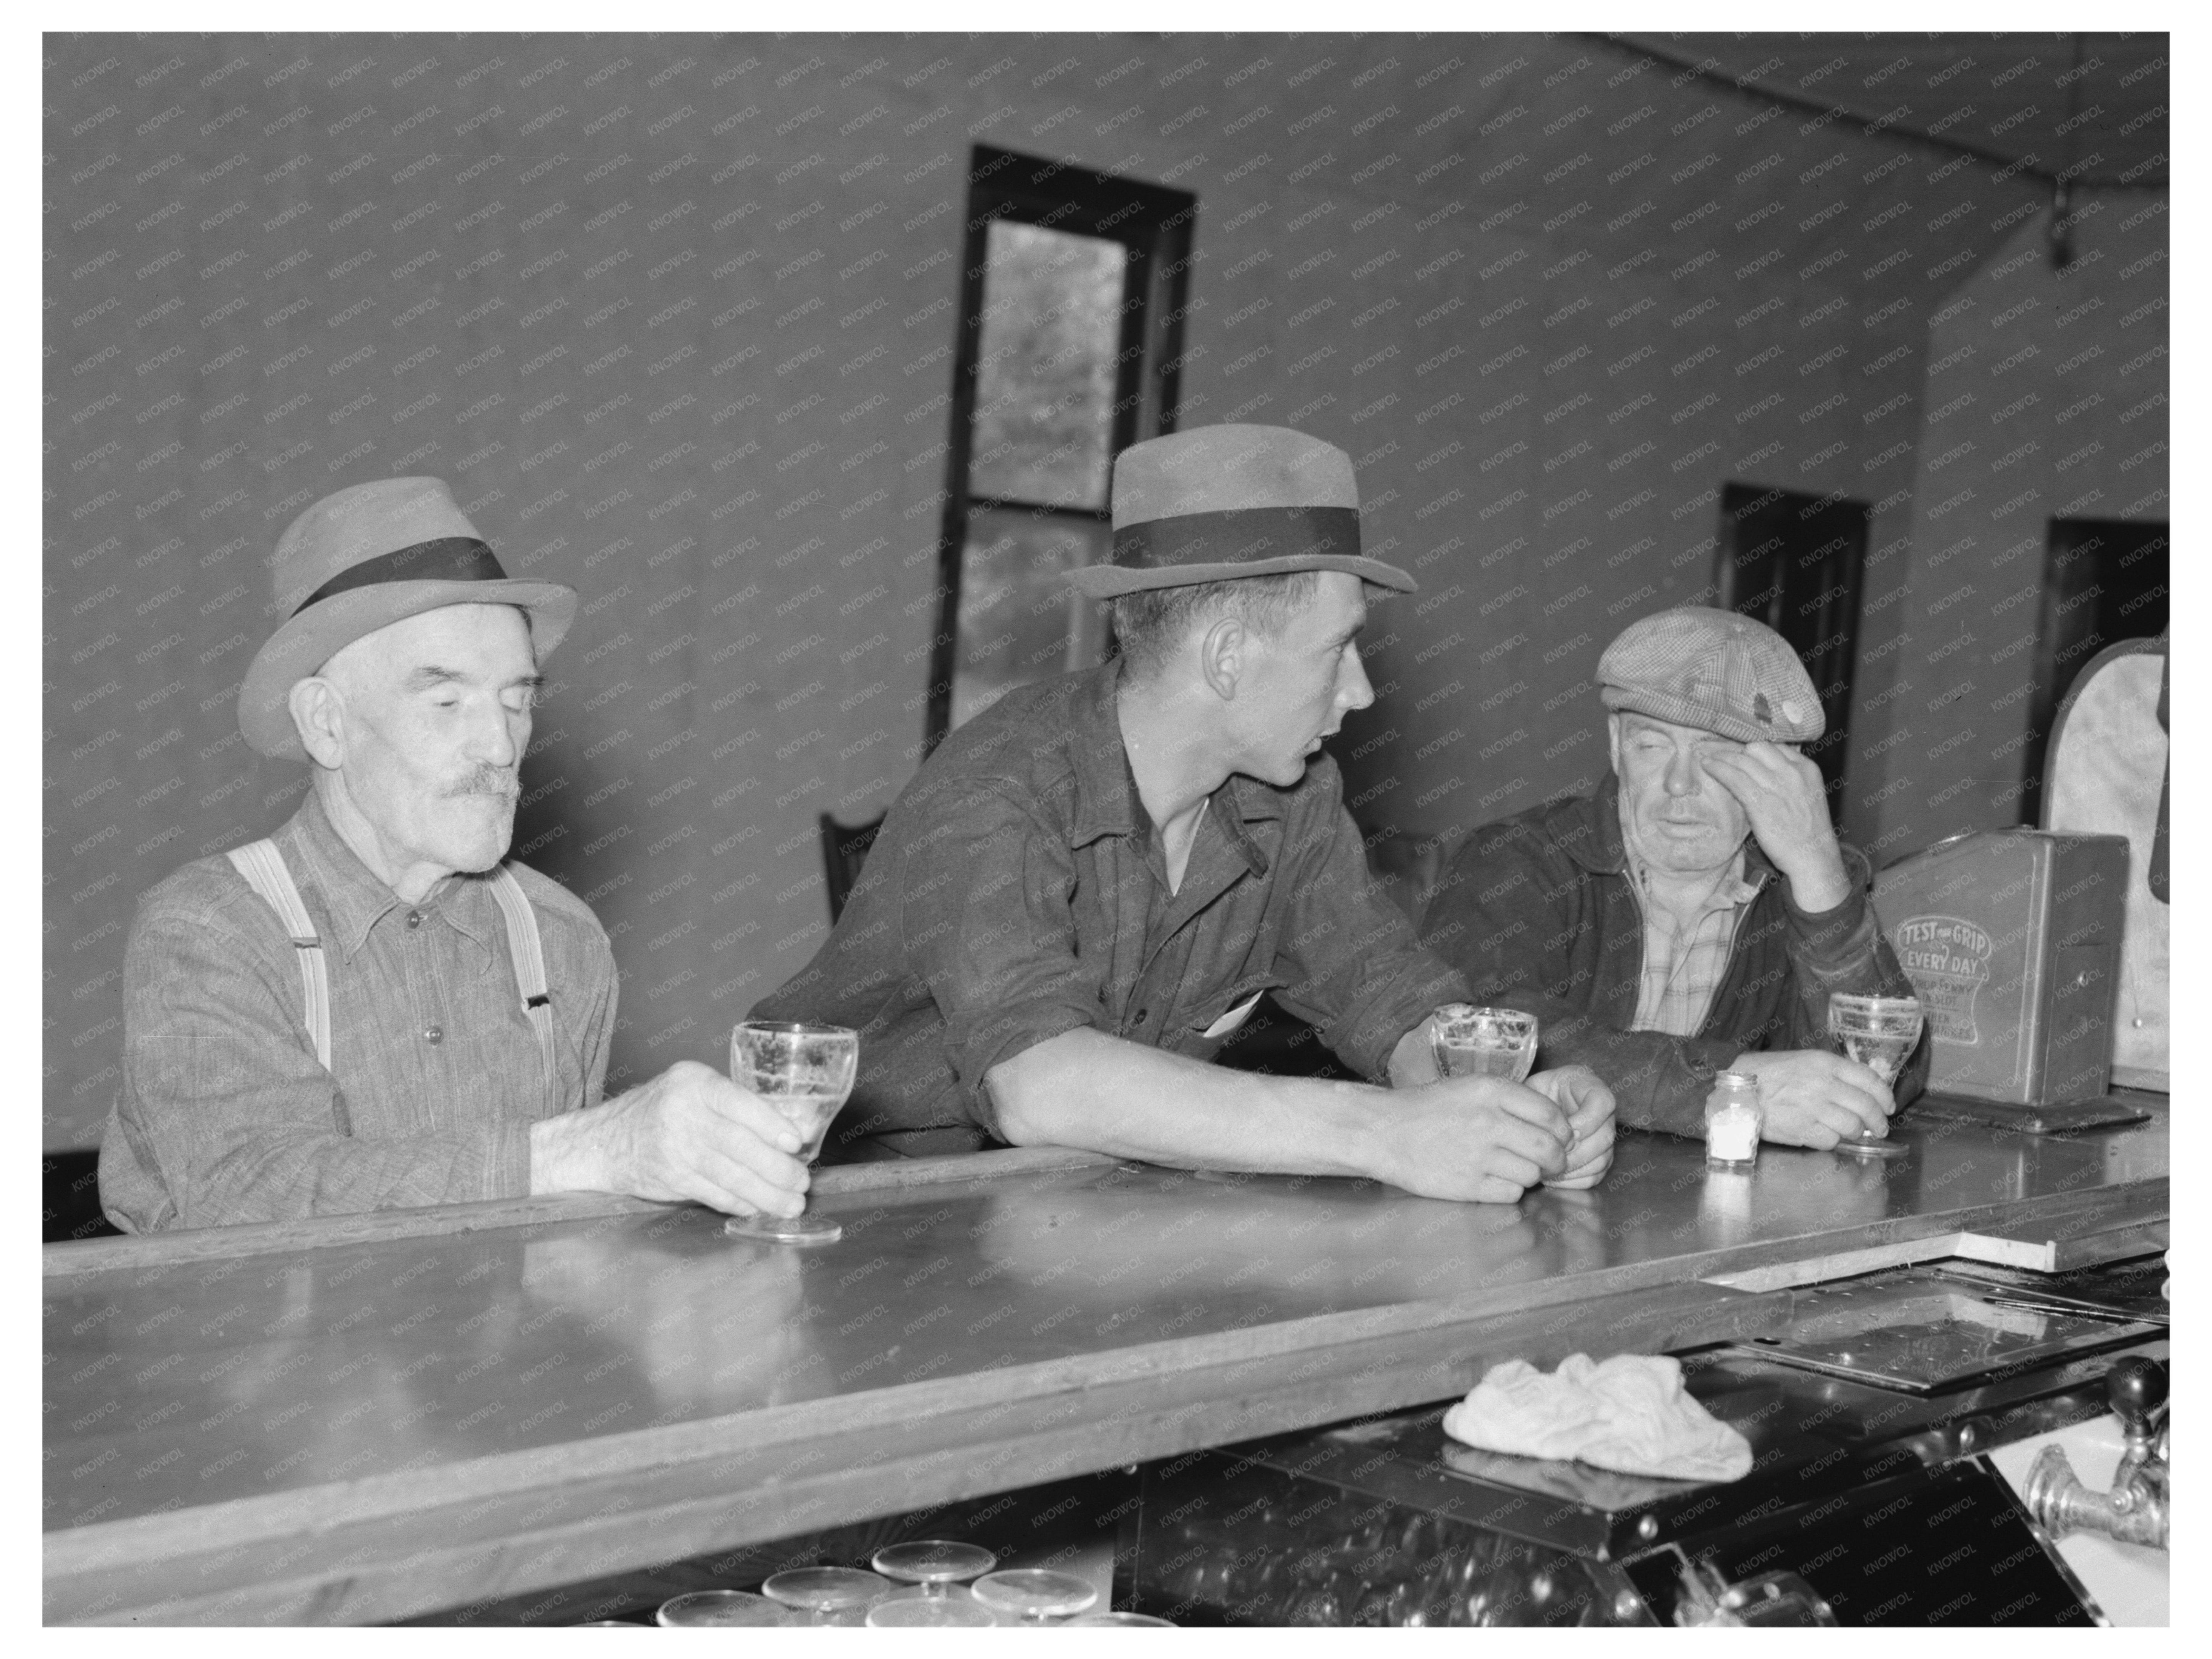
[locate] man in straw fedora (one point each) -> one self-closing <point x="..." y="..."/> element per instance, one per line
<point x="1691" y="913"/>
<point x="1088" y="887"/>
<point x="370" y="1009"/>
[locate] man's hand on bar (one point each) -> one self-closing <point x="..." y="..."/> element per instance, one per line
<point x="690" y="1133"/>
<point x="1814" y="1098"/>
<point x="1481" y="1137"/>
<point x="1576" y="1090"/>
<point x="1581" y="1095"/>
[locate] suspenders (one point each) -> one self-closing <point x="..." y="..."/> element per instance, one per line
<point x="265" y="871"/>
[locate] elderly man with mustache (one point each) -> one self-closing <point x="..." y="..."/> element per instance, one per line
<point x="371" y="1010"/>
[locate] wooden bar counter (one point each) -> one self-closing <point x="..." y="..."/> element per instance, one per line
<point x="372" y="1417"/>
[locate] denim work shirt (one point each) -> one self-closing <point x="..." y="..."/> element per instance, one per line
<point x="1017" y="891"/>
<point x="1539" y="913"/>
<point x="226" y="1116"/>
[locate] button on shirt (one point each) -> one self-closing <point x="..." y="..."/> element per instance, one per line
<point x="1017" y="890"/>
<point x="226" y="1116"/>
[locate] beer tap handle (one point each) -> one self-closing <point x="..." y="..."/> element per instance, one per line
<point x="2136" y="1389"/>
<point x="2137" y="1510"/>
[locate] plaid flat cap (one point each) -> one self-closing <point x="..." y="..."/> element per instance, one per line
<point x="1714" y="669"/>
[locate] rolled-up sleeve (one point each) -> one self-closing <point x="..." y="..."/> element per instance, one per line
<point x="1354" y="969"/>
<point x="226" y="1116"/>
<point x="988" y="927"/>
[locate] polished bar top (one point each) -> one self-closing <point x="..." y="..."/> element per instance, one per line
<point x="237" y="1401"/>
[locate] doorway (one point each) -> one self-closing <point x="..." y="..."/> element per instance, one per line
<point x="1795" y="563"/>
<point x="2103" y="579"/>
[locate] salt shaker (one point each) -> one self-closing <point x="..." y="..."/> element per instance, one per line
<point x="1733" y="1120"/>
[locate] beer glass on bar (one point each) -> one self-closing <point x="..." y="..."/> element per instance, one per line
<point x="1483" y="1042"/>
<point x="1878" y="1032"/>
<point x="804" y="1072"/>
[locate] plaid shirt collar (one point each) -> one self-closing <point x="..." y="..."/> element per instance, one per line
<point x="1736" y="887"/>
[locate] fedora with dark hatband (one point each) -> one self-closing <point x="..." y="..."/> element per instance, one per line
<point x="1219" y="503"/>
<point x="362" y="559"/>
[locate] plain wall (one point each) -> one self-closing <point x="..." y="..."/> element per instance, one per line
<point x="2045" y="398"/>
<point x="676" y="318"/>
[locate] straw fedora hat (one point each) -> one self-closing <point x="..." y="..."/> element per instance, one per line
<point x="1222" y="502"/>
<point x="362" y="559"/>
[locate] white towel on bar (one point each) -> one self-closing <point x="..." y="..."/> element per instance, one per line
<point x="1628" y="1413"/>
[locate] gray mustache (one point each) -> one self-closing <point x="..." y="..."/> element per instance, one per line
<point x="488" y="780"/>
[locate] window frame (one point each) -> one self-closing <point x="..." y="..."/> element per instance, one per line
<point x="1152" y="222"/>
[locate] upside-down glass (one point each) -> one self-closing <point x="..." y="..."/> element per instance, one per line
<point x="827" y="1595"/>
<point x="705" y="1608"/>
<point x="1483" y="1042"/>
<point x="1122" y="1620"/>
<point x="930" y="1613"/>
<point x="935" y="1564"/>
<point x="804" y="1072"/>
<point x="1036" y="1595"/>
<point x="1878" y="1032"/>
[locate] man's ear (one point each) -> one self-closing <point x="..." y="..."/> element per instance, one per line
<point x="1612" y="740"/>
<point x="1223" y="656"/>
<point x="318" y="716"/>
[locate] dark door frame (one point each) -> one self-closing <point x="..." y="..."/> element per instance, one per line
<point x="1776" y="581"/>
<point x="2077" y="620"/>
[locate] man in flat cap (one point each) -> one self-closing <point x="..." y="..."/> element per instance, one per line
<point x="370" y="1009"/>
<point x="1693" y="914"/>
<point x="1088" y="887"/>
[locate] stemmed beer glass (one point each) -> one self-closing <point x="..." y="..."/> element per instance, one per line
<point x="1878" y="1032"/>
<point x="804" y="1072"/>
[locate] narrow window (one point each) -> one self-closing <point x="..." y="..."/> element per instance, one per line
<point x="1071" y="337"/>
